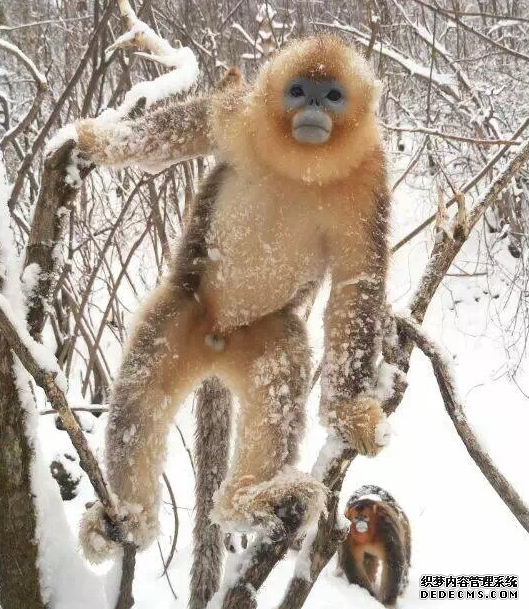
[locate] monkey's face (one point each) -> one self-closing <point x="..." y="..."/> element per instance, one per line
<point x="312" y="115"/>
<point x="363" y="516"/>
<point x="313" y="103"/>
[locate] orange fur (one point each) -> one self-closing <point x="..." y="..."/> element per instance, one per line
<point x="384" y="548"/>
<point x="262" y="133"/>
<point x="272" y="218"/>
<point x="356" y="538"/>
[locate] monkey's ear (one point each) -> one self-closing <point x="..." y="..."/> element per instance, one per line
<point x="232" y="78"/>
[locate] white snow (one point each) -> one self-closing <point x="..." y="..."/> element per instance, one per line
<point x="332" y="449"/>
<point x="60" y="138"/>
<point x="30" y="279"/>
<point x="383" y="433"/>
<point x="450" y="505"/>
<point x="303" y="563"/>
<point x="43" y="356"/>
<point x="10" y="264"/>
<point x="67" y="580"/>
<point x="370" y="496"/>
<point x="180" y="79"/>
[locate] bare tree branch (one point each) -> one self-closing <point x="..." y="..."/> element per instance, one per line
<point x="456" y="412"/>
<point x="42" y="87"/>
<point x="466" y="188"/>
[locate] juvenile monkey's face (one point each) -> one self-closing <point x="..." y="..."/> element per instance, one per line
<point x="363" y="516"/>
<point x="313" y="104"/>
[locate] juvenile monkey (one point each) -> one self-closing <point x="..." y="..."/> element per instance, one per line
<point x="379" y="539"/>
<point x="299" y="190"/>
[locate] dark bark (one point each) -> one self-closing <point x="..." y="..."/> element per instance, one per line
<point x="47" y="229"/>
<point x="19" y="574"/>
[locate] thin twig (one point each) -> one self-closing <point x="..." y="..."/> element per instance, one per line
<point x="188" y="450"/>
<point x="176" y="526"/>
<point x="165" y="565"/>
<point x="42" y="87"/>
<point x="452" y="136"/>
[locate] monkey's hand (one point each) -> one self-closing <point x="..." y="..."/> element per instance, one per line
<point x="360" y="421"/>
<point x="101" y="539"/>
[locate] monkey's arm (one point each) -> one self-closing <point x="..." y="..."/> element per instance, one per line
<point x="393" y="534"/>
<point x="157" y="139"/>
<point x="353" y="332"/>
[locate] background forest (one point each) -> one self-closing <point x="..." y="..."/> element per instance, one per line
<point x="77" y="260"/>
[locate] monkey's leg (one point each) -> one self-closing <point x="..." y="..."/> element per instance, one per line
<point x="161" y="365"/>
<point x="353" y="566"/>
<point x="267" y="366"/>
<point x="371" y="567"/>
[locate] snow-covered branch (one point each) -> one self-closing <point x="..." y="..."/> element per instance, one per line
<point x="141" y="38"/>
<point x="452" y="402"/>
<point x="451" y="136"/>
<point x="446" y="248"/>
<point x="484" y="171"/>
<point x="444" y="82"/>
<point x="44" y="369"/>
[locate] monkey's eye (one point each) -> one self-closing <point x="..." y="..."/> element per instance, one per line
<point x="334" y="95"/>
<point x="297" y="91"/>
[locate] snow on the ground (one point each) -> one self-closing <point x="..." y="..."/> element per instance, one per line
<point x="459" y="525"/>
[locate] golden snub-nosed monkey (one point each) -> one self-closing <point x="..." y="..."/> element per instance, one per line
<point x="299" y="189"/>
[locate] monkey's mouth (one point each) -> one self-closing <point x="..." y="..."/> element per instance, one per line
<point x="361" y="526"/>
<point x="311" y="127"/>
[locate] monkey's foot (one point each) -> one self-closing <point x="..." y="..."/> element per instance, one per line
<point x="361" y="422"/>
<point x="282" y="507"/>
<point x="101" y="539"/>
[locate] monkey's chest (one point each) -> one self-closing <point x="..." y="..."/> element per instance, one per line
<point x="259" y="255"/>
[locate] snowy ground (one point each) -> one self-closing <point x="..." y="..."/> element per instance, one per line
<point x="459" y="525"/>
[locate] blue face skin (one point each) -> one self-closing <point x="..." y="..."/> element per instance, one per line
<point x="314" y="100"/>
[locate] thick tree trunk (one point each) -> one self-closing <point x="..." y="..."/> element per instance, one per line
<point x="19" y="574"/>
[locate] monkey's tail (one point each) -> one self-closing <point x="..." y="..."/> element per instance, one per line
<point x="212" y="447"/>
